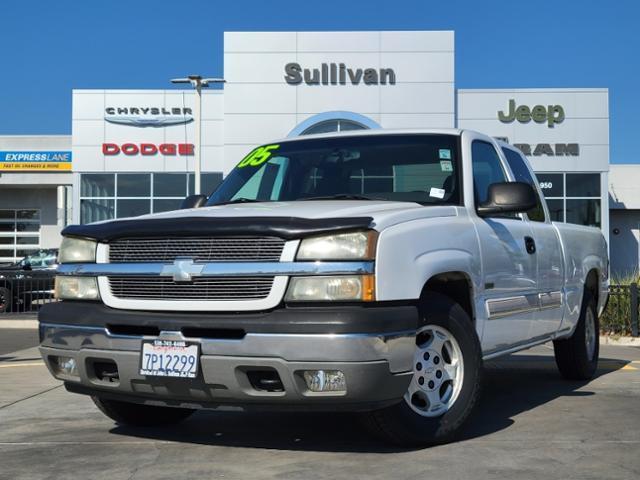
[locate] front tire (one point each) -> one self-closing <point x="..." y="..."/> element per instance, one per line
<point x="577" y="356"/>
<point x="446" y="381"/>
<point x="138" y="415"/>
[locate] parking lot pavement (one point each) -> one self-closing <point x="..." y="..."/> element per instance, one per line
<point x="531" y="424"/>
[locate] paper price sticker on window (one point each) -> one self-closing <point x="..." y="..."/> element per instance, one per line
<point x="444" y="154"/>
<point x="436" y="192"/>
<point x="258" y="156"/>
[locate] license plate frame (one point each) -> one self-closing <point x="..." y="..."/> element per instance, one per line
<point x="168" y="362"/>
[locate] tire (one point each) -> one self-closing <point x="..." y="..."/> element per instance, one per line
<point x="138" y="415"/>
<point x="577" y="359"/>
<point x="415" y="421"/>
<point x="6" y="300"/>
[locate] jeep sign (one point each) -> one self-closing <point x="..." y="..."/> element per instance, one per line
<point x="550" y="114"/>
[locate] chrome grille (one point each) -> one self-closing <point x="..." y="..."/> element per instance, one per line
<point x="201" y="288"/>
<point x="200" y="249"/>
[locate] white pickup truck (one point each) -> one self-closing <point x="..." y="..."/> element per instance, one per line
<point x="371" y="272"/>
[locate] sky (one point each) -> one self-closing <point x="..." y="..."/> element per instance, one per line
<point x="48" y="48"/>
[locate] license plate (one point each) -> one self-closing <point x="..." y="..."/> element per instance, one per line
<point x="169" y="358"/>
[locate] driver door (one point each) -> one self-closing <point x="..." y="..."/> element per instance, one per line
<point x="509" y="290"/>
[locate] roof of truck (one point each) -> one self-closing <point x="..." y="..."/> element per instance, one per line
<point x="376" y="131"/>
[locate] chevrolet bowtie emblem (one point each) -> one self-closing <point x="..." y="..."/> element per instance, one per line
<point x="182" y="270"/>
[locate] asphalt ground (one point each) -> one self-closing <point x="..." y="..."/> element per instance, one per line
<point x="531" y="424"/>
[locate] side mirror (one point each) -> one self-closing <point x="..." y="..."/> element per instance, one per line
<point x="194" y="201"/>
<point x="27" y="266"/>
<point x="508" y="197"/>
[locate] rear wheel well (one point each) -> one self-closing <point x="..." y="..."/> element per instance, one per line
<point x="591" y="284"/>
<point x="455" y="285"/>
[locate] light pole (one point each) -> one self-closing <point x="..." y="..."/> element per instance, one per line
<point x="198" y="83"/>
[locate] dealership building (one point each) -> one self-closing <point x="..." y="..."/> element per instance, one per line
<point x="131" y="151"/>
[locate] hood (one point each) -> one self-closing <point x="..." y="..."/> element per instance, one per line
<point x="285" y="219"/>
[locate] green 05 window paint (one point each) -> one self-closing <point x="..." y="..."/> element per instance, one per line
<point x="258" y="156"/>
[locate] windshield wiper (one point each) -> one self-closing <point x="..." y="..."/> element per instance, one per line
<point x="343" y="196"/>
<point x="239" y="200"/>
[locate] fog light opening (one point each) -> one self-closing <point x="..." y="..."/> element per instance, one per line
<point x="65" y="366"/>
<point x="325" y="380"/>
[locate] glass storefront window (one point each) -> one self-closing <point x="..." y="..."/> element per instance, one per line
<point x="19" y="234"/>
<point x="132" y="208"/>
<point x="105" y="196"/>
<point x="573" y="197"/>
<point x="583" y="185"/>
<point x="169" y="185"/>
<point x="96" y="210"/>
<point x="551" y="184"/>
<point x="134" y="185"/>
<point x="97" y="185"/>
<point x="584" y="212"/>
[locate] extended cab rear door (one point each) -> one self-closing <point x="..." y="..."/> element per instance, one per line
<point x="548" y="252"/>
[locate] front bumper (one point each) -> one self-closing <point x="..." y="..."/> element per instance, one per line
<point x="377" y="365"/>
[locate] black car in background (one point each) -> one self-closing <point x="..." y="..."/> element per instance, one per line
<point x="29" y="282"/>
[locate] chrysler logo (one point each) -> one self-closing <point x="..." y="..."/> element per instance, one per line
<point x="148" y="116"/>
<point x="182" y="270"/>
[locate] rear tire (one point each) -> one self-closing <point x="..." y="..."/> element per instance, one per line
<point x="134" y="414"/>
<point x="577" y="356"/>
<point x="415" y="421"/>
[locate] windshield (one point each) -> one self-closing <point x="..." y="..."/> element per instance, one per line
<point x="407" y="168"/>
<point x="42" y="258"/>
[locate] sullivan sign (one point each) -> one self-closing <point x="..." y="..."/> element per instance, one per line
<point x="337" y="74"/>
<point x="148" y="116"/>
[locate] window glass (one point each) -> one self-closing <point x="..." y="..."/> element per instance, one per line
<point x="584" y="212"/>
<point x="556" y="210"/>
<point x="208" y="182"/>
<point x="28" y="215"/>
<point x="134" y="185"/>
<point x="133" y="208"/>
<point x="583" y="185"/>
<point x="521" y="174"/>
<point x="400" y="167"/>
<point x="97" y="185"/>
<point x="169" y="185"/>
<point x="7" y="240"/>
<point x="551" y="184"/>
<point x="166" y="205"/>
<point x="96" y="210"/>
<point x="487" y="169"/>
<point x="27" y="240"/>
<point x="7" y="215"/>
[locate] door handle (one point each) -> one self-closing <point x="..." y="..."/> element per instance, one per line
<point x="530" y="245"/>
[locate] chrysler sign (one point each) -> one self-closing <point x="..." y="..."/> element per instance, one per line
<point x="148" y="116"/>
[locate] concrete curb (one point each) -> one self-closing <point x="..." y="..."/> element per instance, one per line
<point x="30" y="324"/>
<point x="622" y="341"/>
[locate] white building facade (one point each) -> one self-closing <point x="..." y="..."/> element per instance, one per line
<point x="133" y="149"/>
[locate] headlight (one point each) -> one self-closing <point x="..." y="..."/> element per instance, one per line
<point x="341" y="288"/>
<point x="341" y="246"/>
<point x="77" y="250"/>
<point x="77" y="288"/>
